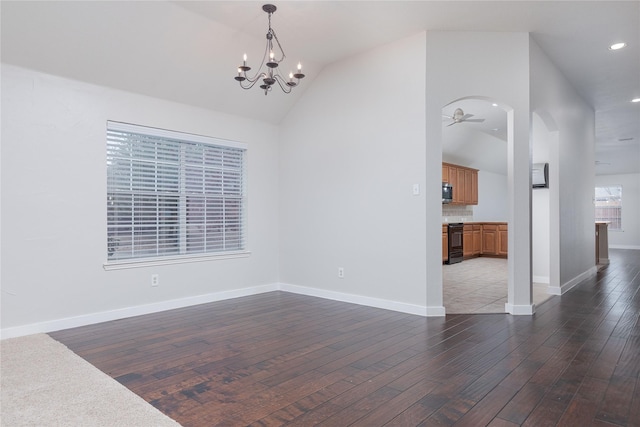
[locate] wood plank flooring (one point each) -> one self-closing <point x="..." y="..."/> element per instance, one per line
<point x="285" y="359"/>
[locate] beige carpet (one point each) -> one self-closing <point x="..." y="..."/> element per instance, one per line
<point x="45" y="384"/>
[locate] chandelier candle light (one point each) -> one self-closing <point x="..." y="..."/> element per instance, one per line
<point x="270" y="76"/>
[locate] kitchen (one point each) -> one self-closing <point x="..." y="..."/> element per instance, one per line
<point x="474" y="209"/>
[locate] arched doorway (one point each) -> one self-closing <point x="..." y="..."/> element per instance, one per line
<point x="476" y="135"/>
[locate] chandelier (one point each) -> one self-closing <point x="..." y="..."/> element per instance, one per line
<point x="268" y="71"/>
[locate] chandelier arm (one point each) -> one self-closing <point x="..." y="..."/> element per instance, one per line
<point x="253" y="82"/>
<point x="282" y="83"/>
<point x="257" y="77"/>
<point x="259" y="73"/>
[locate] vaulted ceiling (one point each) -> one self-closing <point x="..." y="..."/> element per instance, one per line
<point x="188" y="51"/>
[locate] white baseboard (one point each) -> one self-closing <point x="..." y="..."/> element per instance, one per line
<point x="436" y="311"/>
<point x="554" y="290"/>
<point x="361" y="300"/>
<point x="636" y="247"/>
<point x="567" y="286"/>
<point x="520" y="310"/>
<point x="105" y="316"/>
<point x="541" y="279"/>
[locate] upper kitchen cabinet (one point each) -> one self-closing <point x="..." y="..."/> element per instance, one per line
<point x="464" y="182"/>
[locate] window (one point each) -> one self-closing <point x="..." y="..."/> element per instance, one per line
<point x="608" y="201"/>
<point x="171" y="194"/>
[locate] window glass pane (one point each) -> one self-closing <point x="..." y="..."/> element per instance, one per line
<point x="170" y="196"/>
<point x="608" y="205"/>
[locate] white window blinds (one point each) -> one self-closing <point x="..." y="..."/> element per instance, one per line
<point x="170" y="193"/>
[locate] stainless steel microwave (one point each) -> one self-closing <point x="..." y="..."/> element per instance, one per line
<point x="447" y="192"/>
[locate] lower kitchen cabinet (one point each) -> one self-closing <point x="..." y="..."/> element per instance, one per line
<point x="480" y="239"/>
<point x="477" y="239"/>
<point x="494" y="239"/>
<point x="489" y="239"/>
<point x="467" y="241"/>
<point x="445" y="243"/>
<point x="472" y="240"/>
<point x="503" y="239"/>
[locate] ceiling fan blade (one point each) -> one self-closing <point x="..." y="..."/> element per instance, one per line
<point x="452" y="123"/>
<point x="475" y="120"/>
<point x="465" y="117"/>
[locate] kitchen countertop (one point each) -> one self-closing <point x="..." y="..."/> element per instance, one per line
<point x="475" y="222"/>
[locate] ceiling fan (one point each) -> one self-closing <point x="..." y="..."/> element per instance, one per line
<point x="459" y="116"/>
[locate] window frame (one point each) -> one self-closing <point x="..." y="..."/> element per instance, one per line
<point x="178" y="258"/>
<point x="612" y="223"/>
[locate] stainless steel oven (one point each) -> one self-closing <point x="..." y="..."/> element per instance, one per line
<point x="455" y="243"/>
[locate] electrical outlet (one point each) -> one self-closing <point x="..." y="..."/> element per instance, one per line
<point x="341" y="272"/>
<point x="155" y="279"/>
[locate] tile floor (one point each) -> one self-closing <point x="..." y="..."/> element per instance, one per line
<point x="479" y="285"/>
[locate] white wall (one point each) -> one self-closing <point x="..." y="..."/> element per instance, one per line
<point x="336" y="192"/>
<point x="54" y="205"/>
<point x="351" y="150"/>
<point x="492" y="197"/>
<point x="629" y="237"/>
<point x="494" y="66"/>
<point x="572" y="171"/>
<point x="542" y="140"/>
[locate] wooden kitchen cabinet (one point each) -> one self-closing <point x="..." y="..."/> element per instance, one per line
<point x="473" y="185"/>
<point x="480" y="239"/>
<point x="489" y="239"/>
<point x="472" y="240"/>
<point x="464" y="182"/>
<point x="467" y="241"/>
<point x="445" y="243"/>
<point x="494" y="239"/>
<point x="468" y="190"/>
<point x="451" y="174"/>
<point x="503" y="239"/>
<point x="477" y="240"/>
<point x="462" y="188"/>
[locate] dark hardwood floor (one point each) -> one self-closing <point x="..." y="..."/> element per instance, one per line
<point x="280" y="358"/>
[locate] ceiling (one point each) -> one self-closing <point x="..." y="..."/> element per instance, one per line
<point x="188" y="51"/>
<point x="479" y="145"/>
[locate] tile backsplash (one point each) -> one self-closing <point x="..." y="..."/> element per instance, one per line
<point x="457" y="213"/>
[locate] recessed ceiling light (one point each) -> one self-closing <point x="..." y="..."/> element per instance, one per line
<point x="617" y="46"/>
<point x="635" y="100"/>
<point x="494" y="105"/>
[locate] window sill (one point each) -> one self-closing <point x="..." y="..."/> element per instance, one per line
<point x="181" y="259"/>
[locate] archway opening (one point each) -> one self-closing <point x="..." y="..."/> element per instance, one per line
<point x="475" y="138"/>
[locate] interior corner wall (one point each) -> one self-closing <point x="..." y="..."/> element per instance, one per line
<point x="542" y="139"/>
<point x="351" y="151"/>
<point x="54" y="202"/>
<point x="629" y="237"/>
<point x="553" y="94"/>
<point x="496" y="66"/>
